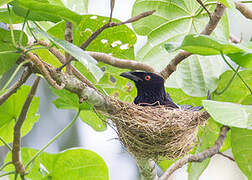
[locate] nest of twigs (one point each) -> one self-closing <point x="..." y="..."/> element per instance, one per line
<point x="150" y="131"/>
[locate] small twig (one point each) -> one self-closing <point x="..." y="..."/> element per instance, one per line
<point x="120" y="63"/>
<point x="226" y="156"/>
<point x="39" y="64"/>
<point x="5" y="165"/>
<point x="17" y="130"/>
<point x="5" y="143"/>
<point x="197" y="157"/>
<point x="69" y="38"/>
<point x="61" y="58"/>
<point x="246" y="12"/>
<point x="112" y="5"/>
<point x="8" y="173"/>
<point x="204" y="7"/>
<point x="108" y="25"/>
<point x="214" y="20"/>
<point x="26" y="74"/>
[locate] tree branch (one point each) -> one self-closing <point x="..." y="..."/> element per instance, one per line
<point x="120" y="63"/>
<point x="39" y="64"/>
<point x="197" y="157"/>
<point x="62" y="59"/>
<point x="214" y="20"/>
<point x="13" y="89"/>
<point x="17" y="130"/>
<point x="246" y="12"/>
<point x="111" y="24"/>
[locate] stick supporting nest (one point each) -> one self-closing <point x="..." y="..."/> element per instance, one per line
<point x="151" y="131"/>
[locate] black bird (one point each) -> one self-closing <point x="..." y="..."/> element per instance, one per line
<point x="151" y="91"/>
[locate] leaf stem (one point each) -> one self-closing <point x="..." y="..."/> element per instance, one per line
<point x="53" y="139"/>
<point x="223" y="57"/>
<point x="28" y="25"/>
<point x="22" y="32"/>
<point x="229" y="82"/>
<point x="11" y="27"/>
<point x="5" y="165"/>
<point x="8" y="173"/>
<point x="13" y="75"/>
<point x="5" y="143"/>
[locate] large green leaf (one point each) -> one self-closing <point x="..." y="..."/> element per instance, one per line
<point x="173" y="20"/>
<point x="10" y="110"/>
<point x="79" y="164"/>
<point x="8" y="54"/>
<point x="237" y="92"/>
<point x="204" y="45"/>
<point x="68" y="100"/>
<point x="229" y="114"/>
<point x="242" y="149"/>
<point x="76" y="52"/>
<point x="44" y="11"/>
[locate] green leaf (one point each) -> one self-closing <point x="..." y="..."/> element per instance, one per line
<point x="230" y="114"/>
<point x="10" y="110"/>
<point x="77" y="53"/>
<point x="80" y="164"/>
<point x="48" y="57"/>
<point x="171" y="22"/>
<point x="237" y="92"/>
<point x="44" y="11"/>
<point x="8" y="54"/>
<point x="3" y="2"/>
<point x="242" y="149"/>
<point x="96" y="121"/>
<point x="66" y="99"/>
<point x="206" y="45"/>
<point x="4" y="16"/>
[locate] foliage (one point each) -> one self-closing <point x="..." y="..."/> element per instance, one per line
<point x="175" y="25"/>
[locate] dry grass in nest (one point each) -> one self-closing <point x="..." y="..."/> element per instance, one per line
<point x="150" y="131"/>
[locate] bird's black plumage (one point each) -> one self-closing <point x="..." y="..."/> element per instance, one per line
<point x="151" y="91"/>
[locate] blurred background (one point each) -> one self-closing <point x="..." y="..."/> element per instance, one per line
<point x="121" y="165"/>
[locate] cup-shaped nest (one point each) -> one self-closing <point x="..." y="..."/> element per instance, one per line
<point x="150" y="131"/>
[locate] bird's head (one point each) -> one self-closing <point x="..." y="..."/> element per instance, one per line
<point x="143" y="78"/>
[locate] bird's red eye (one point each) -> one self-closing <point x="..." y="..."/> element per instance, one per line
<point x="147" y="78"/>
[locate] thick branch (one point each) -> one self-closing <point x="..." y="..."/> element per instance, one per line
<point x="13" y="89"/>
<point x="214" y="20"/>
<point x="17" y="130"/>
<point x="120" y="63"/>
<point x="246" y="12"/>
<point x="198" y="157"/>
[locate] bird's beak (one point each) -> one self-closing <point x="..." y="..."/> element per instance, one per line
<point x="131" y="76"/>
